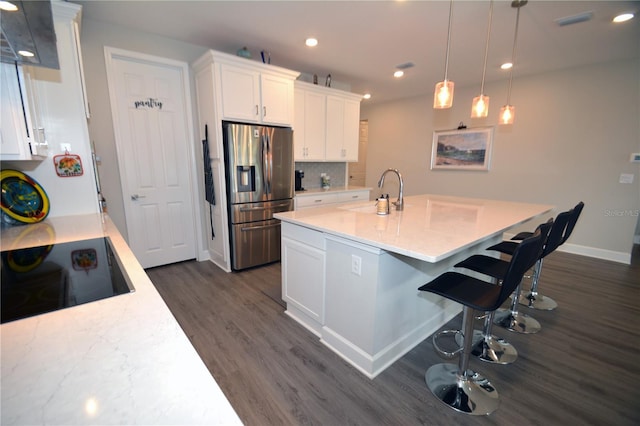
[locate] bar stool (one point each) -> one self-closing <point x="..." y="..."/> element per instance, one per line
<point x="560" y="232"/>
<point x="458" y="387"/>
<point x="510" y="318"/>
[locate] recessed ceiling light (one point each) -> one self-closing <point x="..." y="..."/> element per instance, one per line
<point x="8" y="6"/>
<point x="25" y="53"/>
<point x="311" y="42"/>
<point x="506" y="66"/>
<point x="623" y="17"/>
<point x="398" y="74"/>
<point x="367" y="96"/>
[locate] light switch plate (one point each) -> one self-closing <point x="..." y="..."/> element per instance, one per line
<point x="626" y="177"/>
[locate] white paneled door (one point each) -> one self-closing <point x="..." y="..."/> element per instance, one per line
<point x="151" y="115"/>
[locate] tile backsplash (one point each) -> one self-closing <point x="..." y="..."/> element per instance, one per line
<point x="312" y="172"/>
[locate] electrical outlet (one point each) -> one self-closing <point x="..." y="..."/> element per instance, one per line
<point x="356" y="265"/>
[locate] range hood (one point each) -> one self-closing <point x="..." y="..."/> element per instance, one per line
<point x="29" y="28"/>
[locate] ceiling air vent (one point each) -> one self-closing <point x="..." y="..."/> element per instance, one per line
<point x="574" y="19"/>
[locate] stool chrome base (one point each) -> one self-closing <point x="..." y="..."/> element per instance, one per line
<point x="491" y="348"/>
<point x="516" y="322"/>
<point x="537" y="301"/>
<point x="469" y="394"/>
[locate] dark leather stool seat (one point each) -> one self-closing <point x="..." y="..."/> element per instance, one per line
<point x="494" y="267"/>
<point x="458" y="387"/>
<point x="560" y="232"/>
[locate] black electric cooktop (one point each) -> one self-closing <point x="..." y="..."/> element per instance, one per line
<point x="42" y="279"/>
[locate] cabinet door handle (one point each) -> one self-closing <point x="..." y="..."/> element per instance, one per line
<point x="257" y="110"/>
<point x="264" y="111"/>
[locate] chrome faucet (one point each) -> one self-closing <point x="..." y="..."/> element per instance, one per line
<point x="400" y="203"/>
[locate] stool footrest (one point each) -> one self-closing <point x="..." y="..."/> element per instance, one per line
<point x="443" y="353"/>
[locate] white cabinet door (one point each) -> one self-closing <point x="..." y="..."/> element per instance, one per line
<point x="15" y="130"/>
<point x="248" y="95"/>
<point x="335" y="128"/>
<point x="343" y="120"/>
<point x="276" y="100"/>
<point x="351" y="141"/>
<point x="310" y="119"/>
<point x="303" y="278"/>
<point x="240" y="93"/>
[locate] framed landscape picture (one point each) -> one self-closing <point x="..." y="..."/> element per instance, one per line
<point x="462" y="149"/>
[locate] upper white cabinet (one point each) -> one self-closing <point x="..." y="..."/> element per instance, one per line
<point x="251" y="93"/>
<point x="22" y="133"/>
<point x="326" y="125"/>
<point x="343" y="121"/>
<point x="309" y="125"/>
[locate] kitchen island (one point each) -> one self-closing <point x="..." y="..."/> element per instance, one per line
<point x="351" y="276"/>
<point x="119" y="360"/>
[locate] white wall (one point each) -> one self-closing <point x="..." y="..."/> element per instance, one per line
<point x="572" y="138"/>
<point x="61" y="105"/>
<point x="94" y="37"/>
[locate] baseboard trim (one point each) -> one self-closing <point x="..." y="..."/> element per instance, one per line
<point x="614" y="256"/>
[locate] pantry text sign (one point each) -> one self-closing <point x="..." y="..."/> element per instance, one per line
<point x="148" y="103"/>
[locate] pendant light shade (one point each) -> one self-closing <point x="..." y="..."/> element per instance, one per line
<point x="443" y="94"/>
<point x="508" y="112"/>
<point x="480" y="104"/>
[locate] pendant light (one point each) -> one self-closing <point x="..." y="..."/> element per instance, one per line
<point x="508" y="112"/>
<point x="443" y="95"/>
<point x="480" y="104"/>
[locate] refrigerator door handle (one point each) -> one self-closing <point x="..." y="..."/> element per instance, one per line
<point x="268" y="163"/>
<point x="254" y="209"/>
<point x="265" y="165"/>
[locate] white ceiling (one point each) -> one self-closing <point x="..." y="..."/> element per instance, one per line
<point x="361" y="42"/>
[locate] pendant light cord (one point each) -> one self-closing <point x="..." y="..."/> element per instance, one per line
<point x="486" y="49"/>
<point x="517" y="4"/>
<point x="446" y="61"/>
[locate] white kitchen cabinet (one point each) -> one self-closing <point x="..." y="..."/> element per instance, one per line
<point x="314" y="200"/>
<point x="318" y="199"/>
<point x="249" y="94"/>
<point x="309" y="125"/>
<point x="303" y="273"/>
<point x="343" y="121"/>
<point x="326" y="125"/>
<point x="22" y="133"/>
<point x="352" y="196"/>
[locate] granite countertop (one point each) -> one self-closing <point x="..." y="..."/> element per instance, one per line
<point x="121" y="360"/>
<point x="430" y="228"/>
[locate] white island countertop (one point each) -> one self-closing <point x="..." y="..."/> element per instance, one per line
<point x="120" y="360"/>
<point x="430" y="228"/>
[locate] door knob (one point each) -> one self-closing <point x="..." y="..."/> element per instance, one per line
<point x="134" y="197"/>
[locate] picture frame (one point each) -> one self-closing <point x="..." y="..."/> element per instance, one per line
<point x="462" y="149"/>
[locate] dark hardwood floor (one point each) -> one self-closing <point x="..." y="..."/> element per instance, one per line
<point x="582" y="368"/>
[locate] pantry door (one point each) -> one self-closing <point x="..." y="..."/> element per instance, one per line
<point x="150" y="108"/>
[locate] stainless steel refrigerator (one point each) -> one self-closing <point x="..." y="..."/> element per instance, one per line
<point x="259" y="180"/>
